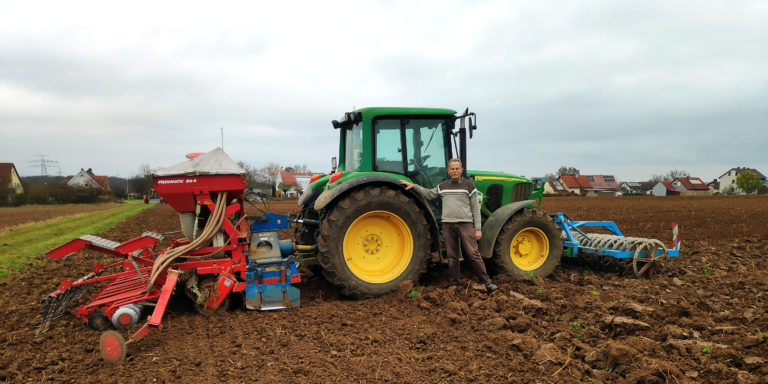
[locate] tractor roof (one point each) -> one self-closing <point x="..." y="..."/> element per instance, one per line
<point x="371" y="112"/>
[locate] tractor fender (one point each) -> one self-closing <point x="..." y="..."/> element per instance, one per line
<point x="329" y="196"/>
<point x="495" y="222"/>
<point x="309" y="197"/>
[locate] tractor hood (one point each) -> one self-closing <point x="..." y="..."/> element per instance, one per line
<point x="487" y="175"/>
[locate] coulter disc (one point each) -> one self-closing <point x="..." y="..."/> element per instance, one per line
<point x="112" y="347"/>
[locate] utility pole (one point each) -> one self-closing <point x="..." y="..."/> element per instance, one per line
<point x="222" y="138"/>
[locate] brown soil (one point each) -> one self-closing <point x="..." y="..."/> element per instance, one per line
<point x="14" y="216"/>
<point x="703" y="320"/>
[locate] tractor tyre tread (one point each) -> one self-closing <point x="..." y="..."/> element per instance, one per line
<point x="333" y="228"/>
<point x="524" y="219"/>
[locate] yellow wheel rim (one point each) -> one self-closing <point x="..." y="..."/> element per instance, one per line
<point x="378" y="246"/>
<point x="529" y="249"/>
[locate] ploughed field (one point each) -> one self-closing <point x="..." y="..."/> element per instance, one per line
<point x="703" y="320"/>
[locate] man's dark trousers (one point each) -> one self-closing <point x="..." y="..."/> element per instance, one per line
<point x="465" y="234"/>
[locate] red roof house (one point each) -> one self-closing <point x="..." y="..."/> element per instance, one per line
<point x="9" y="178"/>
<point x="602" y="182"/>
<point x="691" y="186"/>
<point x="86" y="179"/>
<point x="575" y="184"/>
<point x="554" y="187"/>
<point x="298" y="180"/>
<point x="665" y="188"/>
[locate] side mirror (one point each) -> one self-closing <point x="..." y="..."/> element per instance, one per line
<point x="333" y="164"/>
<point x="472" y="123"/>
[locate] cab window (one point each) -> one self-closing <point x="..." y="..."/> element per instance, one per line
<point x="388" y="152"/>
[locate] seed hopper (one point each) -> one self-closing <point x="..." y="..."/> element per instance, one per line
<point x="220" y="254"/>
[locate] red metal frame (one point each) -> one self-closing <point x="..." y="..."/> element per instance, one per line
<point x="184" y="194"/>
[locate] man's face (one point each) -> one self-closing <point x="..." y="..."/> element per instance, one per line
<point x="454" y="171"/>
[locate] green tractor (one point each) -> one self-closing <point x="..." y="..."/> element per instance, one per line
<point x="369" y="234"/>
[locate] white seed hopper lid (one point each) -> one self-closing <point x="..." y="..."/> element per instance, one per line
<point x="215" y="162"/>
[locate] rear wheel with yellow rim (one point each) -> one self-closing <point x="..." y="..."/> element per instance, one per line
<point x="529" y="243"/>
<point x="372" y="240"/>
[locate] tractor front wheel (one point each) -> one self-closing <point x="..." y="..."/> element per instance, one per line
<point x="372" y="240"/>
<point x="529" y="243"/>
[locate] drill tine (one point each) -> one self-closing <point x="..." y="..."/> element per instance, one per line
<point x="54" y="306"/>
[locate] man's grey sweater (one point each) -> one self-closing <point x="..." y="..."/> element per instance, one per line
<point x="460" y="203"/>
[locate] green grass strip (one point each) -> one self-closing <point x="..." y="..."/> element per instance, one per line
<point x="23" y="246"/>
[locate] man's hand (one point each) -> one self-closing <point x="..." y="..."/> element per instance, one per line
<point x="478" y="234"/>
<point x="408" y="185"/>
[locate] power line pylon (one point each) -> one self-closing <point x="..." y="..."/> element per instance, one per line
<point x="44" y="164"/>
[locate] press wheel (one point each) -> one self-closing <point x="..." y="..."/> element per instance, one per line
<point x="648" y="261"/>
<point x="112" y="347"/>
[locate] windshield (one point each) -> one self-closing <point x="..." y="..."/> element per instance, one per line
<point x="353" y="153"/>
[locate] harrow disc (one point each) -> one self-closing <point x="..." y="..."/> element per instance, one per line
<point x="112" y="347"/>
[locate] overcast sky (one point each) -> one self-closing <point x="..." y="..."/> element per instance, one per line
<point x="629" y="88"/>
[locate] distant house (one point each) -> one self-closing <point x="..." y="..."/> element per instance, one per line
<point x="589" y="185"/>
<point x="9" y="178"/>
<point x="299" y="181"/>
<point x="576" y="185"/>
<point x="602" y="182"/>
<point x="636" y="187"/>
<point x="86" y="179"/>
<point x="554" y="187"/>
<point x="728" y="179"/>
<point x="665" y="188"/>
<point x="714" y="186"/>
<point x="691" y="186"/>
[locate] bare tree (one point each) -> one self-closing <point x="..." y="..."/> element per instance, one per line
<point x="271" y="171"/>
<point x="675" y="173"/>
<point x="669" y="176"/>
<point x="303" y="168"/>
<point x="142" y="182"/>
<point x="550" y="176"/>
<point x="568" y="171"/>
<point x="251" y="174"/>
<point x="145" y="169"/>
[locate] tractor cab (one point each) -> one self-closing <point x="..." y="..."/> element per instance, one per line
<point x="411" y="142"/>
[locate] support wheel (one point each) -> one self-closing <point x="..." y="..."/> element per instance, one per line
<point x="528" y="243"/>
<point x="649" y="260"/>
<point x="372" y="240"/>
<point x="112" y="347"/>
<point x="97" y="321"/>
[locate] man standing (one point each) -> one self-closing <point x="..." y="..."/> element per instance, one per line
<point x="461" y="221"/>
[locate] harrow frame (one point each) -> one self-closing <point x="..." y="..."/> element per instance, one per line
<point x="645" y="255"/>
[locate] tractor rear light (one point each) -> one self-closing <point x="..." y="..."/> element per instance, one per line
<point x="335" y="177"/>
<point x="314" y="178"/>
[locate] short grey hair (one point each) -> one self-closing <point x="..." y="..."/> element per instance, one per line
<point x="455" y="160"/>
